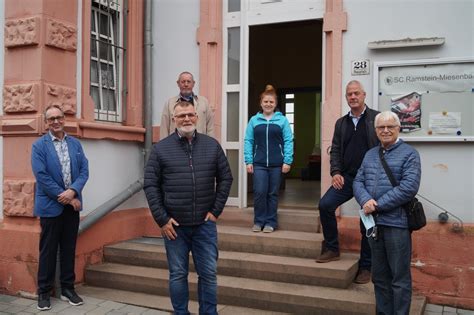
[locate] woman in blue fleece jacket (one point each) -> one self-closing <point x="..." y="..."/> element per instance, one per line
<point x="268" y="152"/>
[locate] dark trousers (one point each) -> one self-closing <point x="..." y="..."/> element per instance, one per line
<point x="328" y="204"/>
<point x="58" y="231"/>
<point x="391" y="272"/>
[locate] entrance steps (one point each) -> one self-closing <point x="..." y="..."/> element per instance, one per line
<point x="258" y="273"/>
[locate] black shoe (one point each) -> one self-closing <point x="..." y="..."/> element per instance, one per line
<point x="44" y="303"/>
<point x="71" y="296"/>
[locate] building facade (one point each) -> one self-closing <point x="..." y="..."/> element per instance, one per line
<point x="88" y="56"/>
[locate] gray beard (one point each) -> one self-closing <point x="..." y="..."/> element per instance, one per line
<point x="187" y="134"/>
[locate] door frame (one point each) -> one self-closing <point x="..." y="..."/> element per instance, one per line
<point x="255" y="13"/>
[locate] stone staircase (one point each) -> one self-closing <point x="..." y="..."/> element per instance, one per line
<point x="258" y="273"/>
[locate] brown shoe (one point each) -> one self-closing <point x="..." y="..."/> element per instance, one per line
<point x="363" y="276"/>
<point x="328" y="256"/>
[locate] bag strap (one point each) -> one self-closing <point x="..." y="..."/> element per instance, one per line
<point x="387" y="169"/>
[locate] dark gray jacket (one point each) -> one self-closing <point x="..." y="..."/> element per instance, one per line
<point x="337" y="147"/>
<point x="184" y="181"/>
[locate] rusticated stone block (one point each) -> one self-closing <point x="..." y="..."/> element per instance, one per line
<point x="19" y="126"/>
<point x="22" y="32"/>
<point x="20" y="98"/>
<point x="18" y="197"/>
<point x="61" y="35"/>
<point x="63" y="96"/>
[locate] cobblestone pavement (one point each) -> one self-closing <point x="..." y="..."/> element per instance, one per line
<point x="92" y="306"/>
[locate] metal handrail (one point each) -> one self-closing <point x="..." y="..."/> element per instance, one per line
<point x="457" y="227"/>
<point x="95" y="215"/>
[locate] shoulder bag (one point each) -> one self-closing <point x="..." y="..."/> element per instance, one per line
<point x="414" y="209"/>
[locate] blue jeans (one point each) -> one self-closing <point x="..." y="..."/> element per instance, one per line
<point x="201" y="241"/>
<point x="266" y="183"/>
<point x="391" y="254"/>
<point x="328" y="204"/>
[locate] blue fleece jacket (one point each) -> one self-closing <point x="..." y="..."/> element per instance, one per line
<point x="268" y="143"/>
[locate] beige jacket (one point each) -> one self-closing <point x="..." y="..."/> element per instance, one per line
<point x="205" y="123"/>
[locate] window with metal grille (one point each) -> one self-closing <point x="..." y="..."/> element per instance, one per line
<point x="107" y="59"/>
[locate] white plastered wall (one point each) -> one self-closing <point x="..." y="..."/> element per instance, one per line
<point x="174" y="49"/>
<point x="2" y="50"/>
<point x="113" y="166"/>
<point x="370" y="20"/>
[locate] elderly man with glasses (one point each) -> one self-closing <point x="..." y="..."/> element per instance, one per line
<point x="390" y="242"/>
<point x="61" y="171"/>
<point x="187" y="182"/>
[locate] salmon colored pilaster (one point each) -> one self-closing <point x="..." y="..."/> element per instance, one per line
<point x="209" y="38"/>
<point x="135" y="64"/>
<point x="39" y="70"/>
<point x="334" y="23"/>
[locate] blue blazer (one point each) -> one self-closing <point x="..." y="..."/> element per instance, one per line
<point x="49" y="177"/>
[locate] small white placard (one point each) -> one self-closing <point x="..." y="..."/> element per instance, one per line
<point x="360" y="67"/>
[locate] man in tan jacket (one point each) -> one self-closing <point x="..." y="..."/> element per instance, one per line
<point x="205" y="123"/>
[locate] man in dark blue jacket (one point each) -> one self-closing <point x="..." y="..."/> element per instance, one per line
<point x="391" y="244"/>
<point x="354" y="134"/>
<point x="61" y="170"/>
<point x="187" y="182"/>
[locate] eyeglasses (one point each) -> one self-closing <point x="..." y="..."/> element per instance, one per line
<point x="52" y="119"/>
<point x="390" y="128"/>
<point x="183" y="116"/>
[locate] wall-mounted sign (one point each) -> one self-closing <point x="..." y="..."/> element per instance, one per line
<point x="360" y="67"/>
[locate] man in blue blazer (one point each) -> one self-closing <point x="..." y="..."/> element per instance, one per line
<point x="61" y="170"/>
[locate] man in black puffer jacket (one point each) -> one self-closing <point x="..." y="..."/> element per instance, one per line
<point x="187" y="182"/>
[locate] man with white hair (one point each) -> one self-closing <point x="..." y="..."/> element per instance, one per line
<point x="390" y="242"/>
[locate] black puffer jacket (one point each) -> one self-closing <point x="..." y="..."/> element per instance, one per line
<point x="337" y="147"/>
<point x="186" y="181"/>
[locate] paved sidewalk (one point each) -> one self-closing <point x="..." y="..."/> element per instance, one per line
<point x="92" y="306"/>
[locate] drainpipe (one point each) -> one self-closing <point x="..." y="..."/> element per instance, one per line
<point x="147" y="64"/>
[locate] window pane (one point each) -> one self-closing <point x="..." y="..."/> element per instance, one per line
<point x="291" y="118"/>
<point x="233" y="116"/>
<point x="104" y="24"/>
<point x="95" y="96"/>
<point x="93" y="20"/>
<point x="105" y="51"/>
<point x="233" y="5"/>
<point x="93" y="48"/>
<point x="289" y="96"/>
<point x="233" y="55"/>
<point x="94" y="73"/>
<point x="107" y="75"/>
<point x="109" y="99"/>
<point x="290" y="107"/>
<point x="233" y="158"/>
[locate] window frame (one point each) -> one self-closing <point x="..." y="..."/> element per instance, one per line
<point x="115" y="41"/>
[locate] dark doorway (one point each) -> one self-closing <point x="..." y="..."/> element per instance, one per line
<point x="289" y="57"/>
